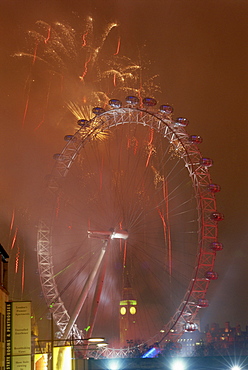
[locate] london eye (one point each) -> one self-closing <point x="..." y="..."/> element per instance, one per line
<point x="128" y="235"/>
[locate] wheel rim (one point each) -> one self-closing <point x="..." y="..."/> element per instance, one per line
<point x="162" y="139"/>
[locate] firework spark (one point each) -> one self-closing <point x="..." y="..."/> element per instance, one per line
<point x="14" y="238"/>
<point x="80" y="111"/>
<point x="80" y="59"/>
<point x="118" y="46"/>
<point x="17" y="259"/>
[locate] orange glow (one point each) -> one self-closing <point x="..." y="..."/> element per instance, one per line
<point x="84" y="42"/>
<point x="25" y="111"/>
<point x="23" y="273"/>
<point x="165" y="191"/>
<point x="17" y="259"/>
<point x="150" y="146"/>
<point x="114" y="80"/>
<point x="14" y="239"/>
<point x="45" y="109"/>
<point x="35" y="53"/>
<point x="125" y="254"/>
<point x="118" y="46"/>
<point x="85" y="69"/>
<point x="48" y="35"/>
<point x="133" y="142"/>
<point x="12" y="220"/>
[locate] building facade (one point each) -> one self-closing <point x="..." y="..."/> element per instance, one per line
<point x="4" y="297"/>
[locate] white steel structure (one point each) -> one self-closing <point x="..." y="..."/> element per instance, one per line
<point x="180" y="148"/>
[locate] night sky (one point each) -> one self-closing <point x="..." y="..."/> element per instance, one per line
<point x="199" y="51"/>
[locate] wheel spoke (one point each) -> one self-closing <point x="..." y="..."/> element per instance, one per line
<point x="146" y="176"/>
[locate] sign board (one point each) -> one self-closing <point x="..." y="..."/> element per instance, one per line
<point x="18" y="336"/>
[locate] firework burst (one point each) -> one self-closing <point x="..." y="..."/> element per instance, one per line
<point x="78" y="70"/>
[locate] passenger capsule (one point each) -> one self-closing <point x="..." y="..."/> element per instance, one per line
<point x="58" y="157"/>
<point x="132" y="100"/>
<point x="98" y="110"/>
<point x="69" y="137"/>
<point x="190" y="326"/>
<point x="202" y="303"/>
<point x="217" y="216"/>
<point x="181" y="121"/>
<point x="149" y="102"/>
<point x="83" y="123"/>
<point x="211" y="275"/>
<point x="206" y="162"/>
<point x="216" y="246"/>
<point x="166" y="109"/>
<point x="214" y="188"/>
<point x="115" y="103"/>
<point x="195" y="139"/>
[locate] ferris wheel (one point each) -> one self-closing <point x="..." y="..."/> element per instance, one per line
<point x="129" y="233"/>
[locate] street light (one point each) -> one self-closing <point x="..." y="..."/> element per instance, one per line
<point x="178" y="365"/>
<point x="113" y="365"/>
<point x="94" y="339"/>
<point x="102" y="344"/>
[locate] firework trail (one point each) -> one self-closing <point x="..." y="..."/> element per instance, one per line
<point x="90" y="74"/>
<point x="14" y="238"/>
<point x="73" y="71"/>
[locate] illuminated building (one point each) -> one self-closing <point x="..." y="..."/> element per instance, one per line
<point x="128" y="311"/>
<point x="4" y="297"/>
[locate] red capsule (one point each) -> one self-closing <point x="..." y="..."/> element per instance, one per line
<point x="211" y="275"/>
<point x="214" y="188"/>
<point x="165" y="109"/>
<point x="216" y="246"/>
<point x="217" y="216"/>
<point x="149" y="102"/>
